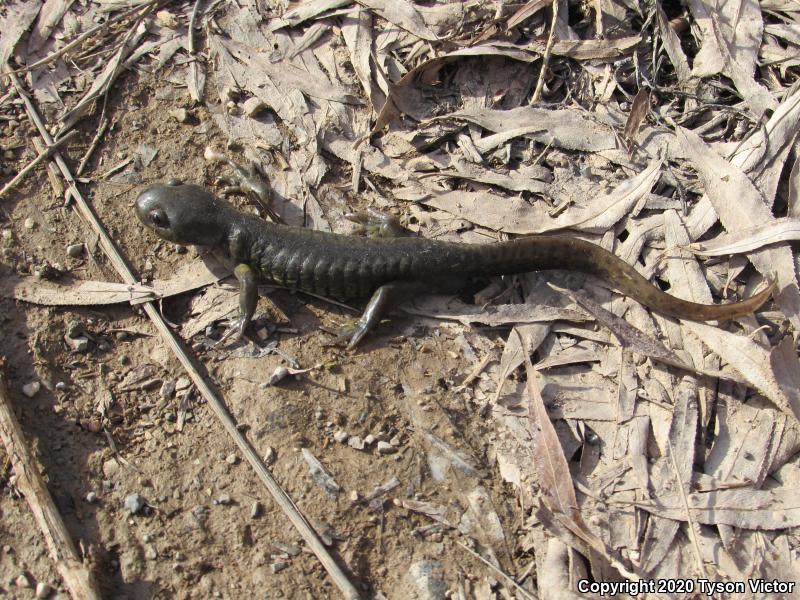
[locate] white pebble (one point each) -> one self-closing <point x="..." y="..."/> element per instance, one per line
<point x="385" y="447"/>
<point x="31" y="389"/>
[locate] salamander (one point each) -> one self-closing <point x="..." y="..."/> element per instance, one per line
<point x="385" y="269"/>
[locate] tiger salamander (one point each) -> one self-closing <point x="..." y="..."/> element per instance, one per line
<point x="384" y="269"/>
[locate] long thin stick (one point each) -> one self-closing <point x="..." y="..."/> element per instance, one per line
<point x="537" y="93"/>
<point x="281" y="498"/>
<point x="79" y="580"/>
<point x="81" y="38"/>
<point x="36" y="161"/>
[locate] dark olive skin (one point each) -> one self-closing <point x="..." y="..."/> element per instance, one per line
<point x="385" y="269"/>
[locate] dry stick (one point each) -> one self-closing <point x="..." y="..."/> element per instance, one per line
<point x="281" y="498"/>
<point x="537" y="93"/>
<point x="93" y="146"/>
<point x="701" y="569"/>
<point x="525" y="593"/>
<point x="36" y="161"/>
<point x="81" y="38"/>
<point x="77" y="577"/>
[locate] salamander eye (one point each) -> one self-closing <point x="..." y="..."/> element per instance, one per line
<point x="159" y="218"/>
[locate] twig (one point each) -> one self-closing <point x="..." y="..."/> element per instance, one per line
<point x="525" y="593"/>
<point x="92" y="147"/>
<point x="77" y="577"/>
<point x="36" y="161"/>
<point x="701" y="569"/>
<point x="281" y="498"/>
<point x="192" y="42"/>
<point x="81" y="38"/>
<point x="537" y="93"/>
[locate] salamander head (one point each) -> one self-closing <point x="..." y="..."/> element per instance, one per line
<point x="184" y="214"/>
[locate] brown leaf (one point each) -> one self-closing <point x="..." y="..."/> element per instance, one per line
<point x="639" y="109"/>
<point x="555" y="481"/>
<point x="526" y="11"/>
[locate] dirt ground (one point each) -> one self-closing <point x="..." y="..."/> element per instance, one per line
<point x="200" y="534"/>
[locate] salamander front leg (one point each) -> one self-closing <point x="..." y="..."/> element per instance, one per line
<point x="385" y="296"/>
<point x="248" y="298"/>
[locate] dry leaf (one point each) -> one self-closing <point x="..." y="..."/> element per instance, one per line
<point x="526" y="11"/>
<point x="639" y="109"/>
<point x="724" y="181"/>
<point x="784" y="229"/>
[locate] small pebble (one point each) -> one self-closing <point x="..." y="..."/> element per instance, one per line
<point x="341" y="436"/>
<point x="7" y="235"/>
<point x="75" y="250"/>
<point x="253" y="106"/>
<point x="269" y="456"/>
<point x="255" y="510"/>
<point x="278" y="566"/>
<point x="224" y="499"/>
<point x="181" y="115"/>
<point x="122" y="336"/>
<point x="356" y="442"/>
<point x="385" y="448"/>
<point x="167" y="19"/>
<point x="29" y="223"/>
<point x="61" y="386"/>
<point x="75" y="328"/>
<point x="22" y="581"/>
<point x="91" y="497"/>
<point x="150" y="553"/>
<point x="110" y="468"/>
<point x="134" y="503"/>
<point x="77" y="344"/>
<point x="369" y="439"/>
<point x="231" y="459"/>
<point x="43" y="590"/>
<point x="278" y="374"/>
<point x="395" y="441"/>
<point x="31" y="389"/>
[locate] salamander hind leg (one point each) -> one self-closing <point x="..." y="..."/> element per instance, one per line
<point x="354" y="330"/>
<point x="376" y="224"/>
